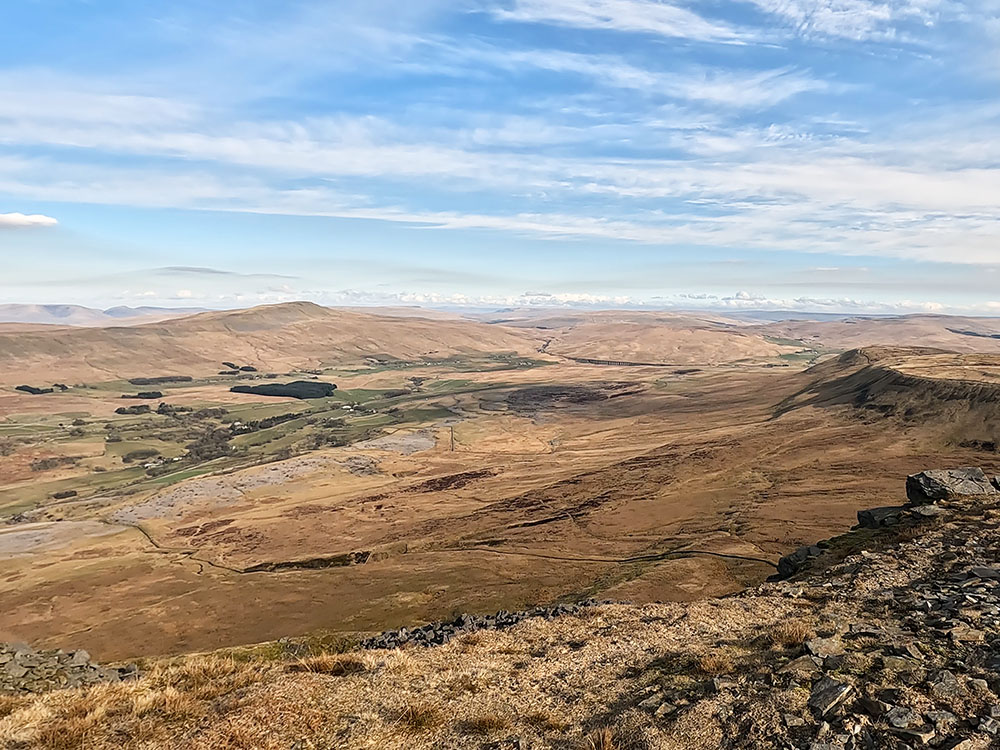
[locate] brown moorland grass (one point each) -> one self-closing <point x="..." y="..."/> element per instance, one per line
<point x="337" y="665"/>
<point x="715" y="663"/>
<point x="9" y="703"/>
<point x="584" y="693"/>
<point x="416" y="699"/>
<point x="421" y="716"/>
<point x="790" y="633"/>
<point x="486" y="723"/>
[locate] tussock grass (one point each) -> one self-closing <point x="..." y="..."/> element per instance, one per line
<point x="546" y="722"/>
<point x="858" y="664"/>
<point x="421" y="717"/>
<point x="466" y="682"/>
<point x="9" y="704"/>
<point x="422" y="699"/>
<point x="715" y="663"/>
<point x="469" y="641"/>
<point x="790" y="633"/>
<point x="600" y="739"/>
<point x="336" y="665"/>
<point x="485" y="724"/>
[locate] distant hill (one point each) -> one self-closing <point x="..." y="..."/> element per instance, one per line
<point x="950" y="332"/>
<point x="642" y="336"/>
<point x="147" y="312"/>
<point x="274" y="338"/>
<point x="77" y="315"/>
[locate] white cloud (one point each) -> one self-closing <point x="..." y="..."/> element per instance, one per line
<point x="741" y="88"/>
<point x="623" y="160"/>
<point x="649" y="16"/>
<point x="858" y="20"/>
<point x="691" y="301"/>
<point x="728" y="87"/>
<point x="62" y="99"/>
<point x="744" y="300"/>
<point x="21" y="221"/>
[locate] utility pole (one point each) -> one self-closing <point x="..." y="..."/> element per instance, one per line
<point x="452" y="438"/>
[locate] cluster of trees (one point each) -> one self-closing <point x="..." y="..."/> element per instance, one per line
<point x="245" y="428"/>
<point x="54" y="462"/>
<point x="32" y="390"/>
<point x="138" y="409"/>
<point x="211" y="444"/>
<point x="302" y="389"/>
<point x="140" y="455"/>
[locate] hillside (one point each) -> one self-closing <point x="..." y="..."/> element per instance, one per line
<point x="955" y="395"/>
<point x="644" y="337"/>
<point x="663" y="344"/>
<point x="952" y="333"/>
<point x="884" y="641"/>
<point x="276" y="338"/>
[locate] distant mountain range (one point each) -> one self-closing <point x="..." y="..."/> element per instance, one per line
<point x="78" y="315"/>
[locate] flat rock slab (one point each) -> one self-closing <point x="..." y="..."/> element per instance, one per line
<point x="824" y="647"/>
<point x="827" y="694"/>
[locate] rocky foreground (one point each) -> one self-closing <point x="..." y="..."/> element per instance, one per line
<point x="886" y="637"/>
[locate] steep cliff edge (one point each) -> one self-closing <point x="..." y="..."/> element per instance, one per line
<point x="956" y="394"/>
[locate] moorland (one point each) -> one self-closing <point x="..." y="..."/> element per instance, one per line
<point x="156" y="498"/>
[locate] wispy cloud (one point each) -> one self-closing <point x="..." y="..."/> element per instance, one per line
<point x="651" y="16"/>
<point x="858" y="20"/>
<point x="196" y="271"/>
<point x="593" y="121"/>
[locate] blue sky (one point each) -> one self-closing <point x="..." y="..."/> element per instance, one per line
<point x="810" y="154"/>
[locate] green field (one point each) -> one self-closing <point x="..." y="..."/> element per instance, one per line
<point x="190" y="444"/>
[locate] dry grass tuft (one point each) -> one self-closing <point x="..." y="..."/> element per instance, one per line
<point x="208" y="677"/>
<point x="466" y="682"/>
<point x="337" y="665"/>
<point x="469" y="641"/>
<point x="485" y="724"/>
<point x="9" y="704"/>
<point x="909" y="533"/>
<point x="546" y="722"/>
<point x="790" y="633"/>
<point x="715" y="663"/>
<point x="420" y="717"/>
<point x="600" y="739"/>
<point x="858" y="664"/>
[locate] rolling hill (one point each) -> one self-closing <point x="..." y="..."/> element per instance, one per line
<point x="953" y="333"/>
<point x="646" y="337"/>
<point x="276" y="338"/>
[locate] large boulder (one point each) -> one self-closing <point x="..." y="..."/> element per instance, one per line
<point x="947" y="484"/>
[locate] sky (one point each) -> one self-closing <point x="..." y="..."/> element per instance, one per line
<point x="828" y="155"/>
